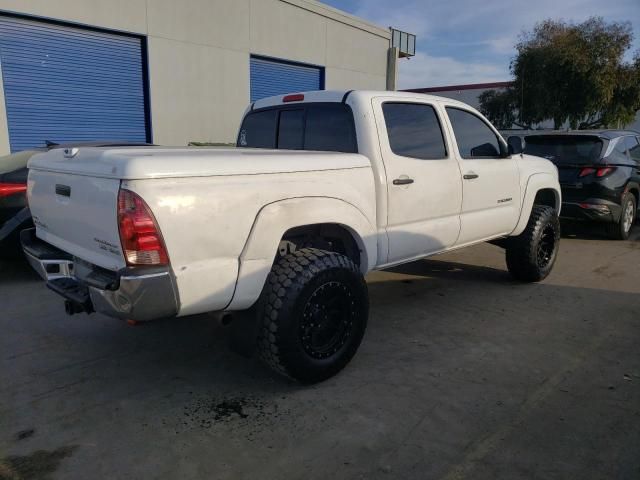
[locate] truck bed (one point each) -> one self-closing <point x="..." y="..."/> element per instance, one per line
<point x="205" y="202"/>
<point x="162" y="162"/>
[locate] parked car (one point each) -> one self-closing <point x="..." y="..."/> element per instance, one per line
<point x="325" y="187"/>
<point x="599" y="175"/>
<point x="14" y="212"/>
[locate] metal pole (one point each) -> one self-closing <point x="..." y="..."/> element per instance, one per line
<point x="392" y="68"/>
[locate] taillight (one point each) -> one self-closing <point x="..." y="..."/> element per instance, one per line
<point x="603" y="172"/>
<point x="600" y="172"/>
<point x="140" y="236"/>
<point x="7" y="189"/>
<point x="586" y="171"/>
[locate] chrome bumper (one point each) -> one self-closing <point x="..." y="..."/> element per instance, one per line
<point x="50" y="269"/>
<point x="139" y="294"/>
<point x="139" y="297"/>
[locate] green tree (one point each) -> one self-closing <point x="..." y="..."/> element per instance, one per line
<point x="500" y="107"/>
<point x="573" y="73"/>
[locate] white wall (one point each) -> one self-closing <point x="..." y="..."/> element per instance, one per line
<point x="199" y="53"/>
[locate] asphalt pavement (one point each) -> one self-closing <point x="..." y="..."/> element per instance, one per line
<point x="463" y="374"/>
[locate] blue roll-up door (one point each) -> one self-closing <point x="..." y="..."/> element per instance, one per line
<point x="271" y="77"/>
<point x="67" y="84"/>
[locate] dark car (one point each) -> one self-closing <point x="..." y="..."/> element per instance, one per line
<point x="599" y="174"/>
<point x="14" y="212"/>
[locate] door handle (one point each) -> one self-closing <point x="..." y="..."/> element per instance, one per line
<point x="470" y="176"/>
<point x="403" y="181"/>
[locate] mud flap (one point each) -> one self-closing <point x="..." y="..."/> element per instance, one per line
<point x="243" y="338"/>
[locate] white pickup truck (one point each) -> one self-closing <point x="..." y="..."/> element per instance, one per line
<point x="323" y="188"/>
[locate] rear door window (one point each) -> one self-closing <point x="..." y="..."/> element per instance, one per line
<point x="414" y="131"/>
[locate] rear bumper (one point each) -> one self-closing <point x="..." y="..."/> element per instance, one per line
<point x="591" y="209"/>
<point x="139" y="294"/>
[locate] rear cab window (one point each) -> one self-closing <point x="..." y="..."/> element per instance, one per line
<point x="259" y="130"/>
<point x="565" y="149"/>
<point x="304" y="126"/>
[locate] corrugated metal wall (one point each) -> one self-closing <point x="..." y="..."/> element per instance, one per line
<point x="68" y="84"/>
<point x="271" y="77"/>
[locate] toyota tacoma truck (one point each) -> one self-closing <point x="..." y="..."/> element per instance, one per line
<point x="322" y="188"/>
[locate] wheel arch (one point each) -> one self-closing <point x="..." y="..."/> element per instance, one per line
<point x="548" y="197"/>
<point x="541" y="189"/>
<point x="295" y="217"/>
<point x="330" y="236"/>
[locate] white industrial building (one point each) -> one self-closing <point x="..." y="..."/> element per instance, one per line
<point x="170" y="71"/>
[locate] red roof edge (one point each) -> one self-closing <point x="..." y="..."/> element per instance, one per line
<point x="452" y="88"/>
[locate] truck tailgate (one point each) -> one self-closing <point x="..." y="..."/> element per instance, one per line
<point x="78" y="214"/>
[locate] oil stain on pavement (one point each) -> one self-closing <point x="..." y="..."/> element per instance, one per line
<point x="39" y="465"/>
<point x="210" y="411"/>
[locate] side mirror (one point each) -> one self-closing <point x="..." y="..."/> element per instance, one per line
<point x="515" y="144"/>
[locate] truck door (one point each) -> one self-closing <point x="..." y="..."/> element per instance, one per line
<point x="491" y="179"/>
<point x="424" y="186"/>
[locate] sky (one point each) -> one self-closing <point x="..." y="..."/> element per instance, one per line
<point x="472" y="41"/>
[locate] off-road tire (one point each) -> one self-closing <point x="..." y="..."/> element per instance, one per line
<point x="531" y="255"/>
<point x="621" y="229"/>
<point x="302" y="286"/>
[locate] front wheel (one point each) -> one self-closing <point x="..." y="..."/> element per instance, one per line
<point x="531" y="255"/>
<point x="313" y="314"/>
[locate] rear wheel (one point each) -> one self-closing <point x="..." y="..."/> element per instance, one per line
<point x="621" y="229"/>
<point x="313" y="313"/>
<point x="531" y="255"/>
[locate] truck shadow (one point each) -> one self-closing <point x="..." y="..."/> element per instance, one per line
<point x="442" y="269"/>
<point x="16" y="269"/>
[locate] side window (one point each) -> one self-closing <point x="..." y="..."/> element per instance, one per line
<point x="330" y="128"/>
<point x="619" y="152"/>
<point x="474" y="137"/>
<point x="633" y="147"/>
<point x="414" y="131"/>
<point x="258" y="130"/>
<point x="291" y="129"/>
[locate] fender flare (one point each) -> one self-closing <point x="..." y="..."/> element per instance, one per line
<point x="535" y="183"/>
<point x="275" y="219"/>
<point x="631" y="185"/>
